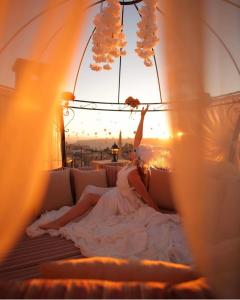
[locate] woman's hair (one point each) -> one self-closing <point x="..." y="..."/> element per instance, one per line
<point x="141" y="171"/>
<point x="145" y="156"/>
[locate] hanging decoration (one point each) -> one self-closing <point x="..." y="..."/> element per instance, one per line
<point x="132" y="102"/>
<point x="147" y="33"/>
<point x="66" y="97"/>
<point x="108" y="39"/>
<point x="144" y="49"/>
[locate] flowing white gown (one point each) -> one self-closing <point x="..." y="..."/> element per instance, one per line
<point x="121" y="225"/>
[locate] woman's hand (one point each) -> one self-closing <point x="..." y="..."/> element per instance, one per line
<point x="144" y="111"/>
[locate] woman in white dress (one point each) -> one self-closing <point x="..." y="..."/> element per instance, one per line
<point x="121" y="222"/>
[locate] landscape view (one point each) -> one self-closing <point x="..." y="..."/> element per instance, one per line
<point x="80" y="152"/>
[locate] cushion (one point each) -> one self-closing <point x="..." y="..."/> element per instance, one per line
<point x="97" y="289"/>
<point x="114" y="269"/>
<point x="160" y="188"/>
<point x="111" y="173"/>
<point x="90" y="177"/>
<point x="58" y="192"/>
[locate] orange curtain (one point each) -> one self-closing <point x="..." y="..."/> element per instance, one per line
<point x="207" y="190"/>
<point x="27" y="121"/>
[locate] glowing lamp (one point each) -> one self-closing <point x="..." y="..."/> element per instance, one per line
<point x="115" y="150"/>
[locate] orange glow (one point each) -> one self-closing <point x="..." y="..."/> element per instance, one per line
<point x="180" y="134"/>
<point x="30" y="114"/>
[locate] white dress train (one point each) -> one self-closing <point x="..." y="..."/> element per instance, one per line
<point x="121" y="225"/>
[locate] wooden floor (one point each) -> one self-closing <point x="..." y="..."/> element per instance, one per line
<point x="24" y="260"/>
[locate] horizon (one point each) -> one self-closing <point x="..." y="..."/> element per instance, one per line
<point x="102" y="143"/>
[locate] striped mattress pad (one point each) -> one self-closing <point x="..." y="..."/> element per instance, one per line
<point x="24" y="260"/>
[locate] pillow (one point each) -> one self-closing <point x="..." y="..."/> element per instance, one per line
<point x="58" y="192"/>
<point x="111" y="173"/>
<point x="114" y="269"/>
<point x="90" y="177"/>
<point x="160" y="189"/>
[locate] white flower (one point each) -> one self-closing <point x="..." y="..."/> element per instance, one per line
<point x="123" y="52"/>
<point x="148" y="63"/>
<point x="95" y="67"/>
<point x="107" y="67"/>
<point x="147" y="28"/>
<point x="108" y="39"/>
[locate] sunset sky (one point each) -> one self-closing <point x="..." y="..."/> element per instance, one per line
<point x="137" y="80"/>
<point x="141" y="82"/>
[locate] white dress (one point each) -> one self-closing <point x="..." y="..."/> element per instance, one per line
<point x="121" y="225"/>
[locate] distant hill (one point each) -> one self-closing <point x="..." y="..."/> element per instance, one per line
<point x="99" y="143"/>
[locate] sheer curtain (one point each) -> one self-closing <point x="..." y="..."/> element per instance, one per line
<point x="26" y="121"/>
<point x="53" y="154"/>
<point x="206" y="182"/>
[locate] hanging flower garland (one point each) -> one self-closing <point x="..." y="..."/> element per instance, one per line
<point x="108" y="39"/>
<point x="147" y="33"/>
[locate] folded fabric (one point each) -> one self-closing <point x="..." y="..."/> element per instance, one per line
<point x="106" y="268"/>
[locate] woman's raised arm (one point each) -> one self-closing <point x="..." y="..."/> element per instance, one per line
<point x="139" y="132"/>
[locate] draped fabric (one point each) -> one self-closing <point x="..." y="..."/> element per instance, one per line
<point x="26" y="123"/>
<point x="206" y="158"/>
<point x="53" y="155"/>
<point x="207" y="181"/>
<point x="220" y="133"/>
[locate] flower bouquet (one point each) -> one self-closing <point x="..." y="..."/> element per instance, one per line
<point x="132" y="102"/>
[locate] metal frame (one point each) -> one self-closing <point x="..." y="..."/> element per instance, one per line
<point x="122" y="2"/>
<point x="120" y="62"/>
<point x="163" y="106"/>
<point x="226" y="99"/>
